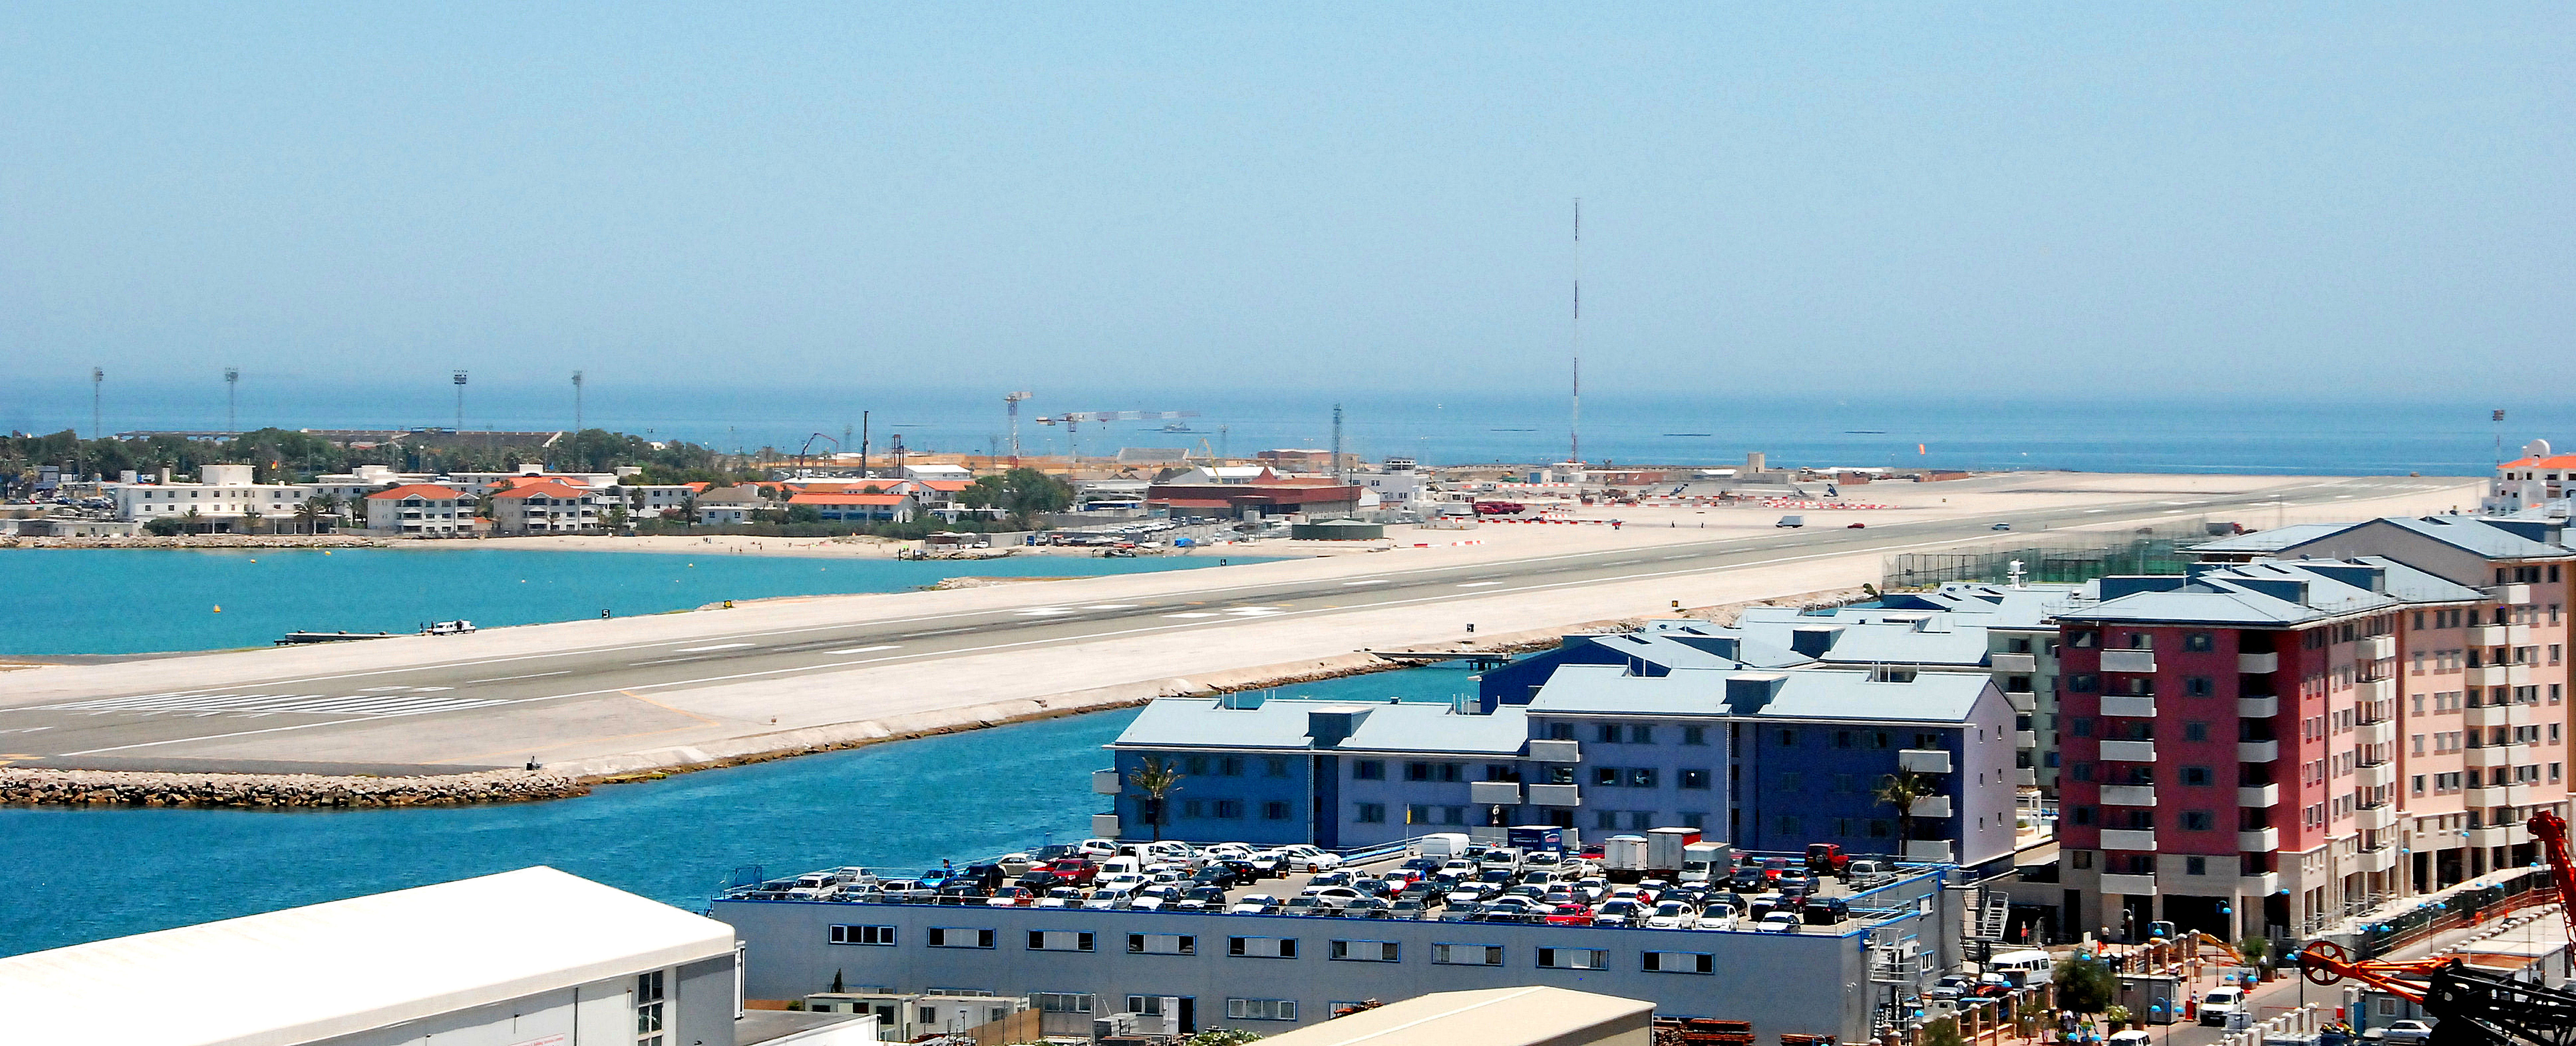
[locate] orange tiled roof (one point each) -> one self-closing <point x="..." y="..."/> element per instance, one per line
<point x="431" y="491"/>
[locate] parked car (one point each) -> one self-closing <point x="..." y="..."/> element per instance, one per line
<point x="1670" y="915"/>
<point x="1012" y="897"/>
<point x="1570" y="915"/>
<point x="1061" y="897"/>
<point x="2407" y="1031"/>
<point x="1618" y="913"/>
<point x="2215" y="1006"/>
<point x="1255" y="904"/>
<point x="1777" y="922"/>
<point x="1077" y="871"/>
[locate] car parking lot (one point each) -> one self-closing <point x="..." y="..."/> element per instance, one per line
<point x="1755" y="893"/>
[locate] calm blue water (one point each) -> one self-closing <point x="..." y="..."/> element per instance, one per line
<point x="81" y="875"/>
<point x="126" y="601"/>
<point x="2267" y="430"/>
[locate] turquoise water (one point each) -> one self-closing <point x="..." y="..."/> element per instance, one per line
<point x="79" y="875"/>
<point x="132" y="601"/>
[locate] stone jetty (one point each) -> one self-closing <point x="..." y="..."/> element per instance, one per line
<point x="23" y="786"/>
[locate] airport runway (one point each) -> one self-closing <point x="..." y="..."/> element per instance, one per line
<point x="488" y="701"/>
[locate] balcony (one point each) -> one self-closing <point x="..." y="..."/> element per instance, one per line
<point x="2483" y="716"/>
<point x="2257" y="751"/>
<point x="1936" y="851"/>
<point x="1104" y="826"/>
<point x="2130" y="705"/>
<point x="2512" y="594"/>
<point x="2026" y="777"/>
<point x="2129" y="751"/>
<point x="2490" y="757"/>
<point x="2383" y="732"/>
<point x="2374" y="690"/>
<point x="2499" y="635"/>
<point x="2381" y="859"/>
<point x="2143" y="839"/>
<point x="2128" y="660"/>
<point x="1555" y="751"/>
<point x="2026" y="740"/>
<point x="2129" y="885"/>
<point x="2258" y="795"/>
<point x="2264" y="885"/>
<point x="2128" y="795"/>
<point x="1105" y="782"/>
<point x="2375" y="818"/>
<point x="2262" y="664"/>
<point x="2374" y="648"/>
<point x="2023" y="702"/>
<point x="2500" y="835"/>
<point x="1931" y="806"/>
<point x="1923" y="760"/>
<point x="2259" y="840"/>
<point x="1494" y="793"/>
<point x="2264" y="707"/>
<point x="1554" y="795"/>
<point x="2498" y="675"/>
<point x="2013" y="662"/>
<point x="2378" y="775"/>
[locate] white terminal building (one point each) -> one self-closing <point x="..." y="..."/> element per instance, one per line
<point x="535" y="957"/>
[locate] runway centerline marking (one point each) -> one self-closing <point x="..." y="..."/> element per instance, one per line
<point x="704" y="649"/>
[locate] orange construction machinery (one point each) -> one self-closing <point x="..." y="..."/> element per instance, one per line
<point x="2471" y="1006"/>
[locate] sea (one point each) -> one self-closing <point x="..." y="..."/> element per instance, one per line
<point x="132" y="601"/>
<point x="1793" y="419"/>
<point x="78" y="875"/>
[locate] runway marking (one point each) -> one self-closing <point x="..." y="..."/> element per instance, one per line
<point x="704" y="649"/>
<point x="505" y="679"/>
<point x="1044" y="611"/>
<point x="863" y="650"/>
<point x="1479" y="584"/>
<point x="1256" y="611"/>
<point x="1112" y="606"/>
<point x="1194" y="613"/>
<point x="663" y="661"/>
<point x="1374" y="581"/>
<point x="316" y="704"/>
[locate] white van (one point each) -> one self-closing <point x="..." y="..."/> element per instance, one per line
<point x="2215" y="1006"/>
<point x="1791" y="522"/>
<point x="1443" y="845"/>
<point x="2024" y="968"/>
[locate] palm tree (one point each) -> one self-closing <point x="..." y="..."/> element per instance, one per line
<point x="1157" y="778"/>
<point x="1902" y="790"/>
<point x="192" y="517"/>
<point x="250" y="520"/>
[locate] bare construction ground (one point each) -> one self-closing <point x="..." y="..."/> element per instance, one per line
<point x="602" y="698"/>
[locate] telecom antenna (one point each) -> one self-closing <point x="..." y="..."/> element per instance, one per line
<point x="1011" y="404"/>
<point x="232" y="400"/>
<point x="576" y="401"/>
<point x="1575" y="430"/>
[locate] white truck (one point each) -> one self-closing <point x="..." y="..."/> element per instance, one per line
<point x="1667" y="850"/>
<point x="1623" y="857"/>
<point x="1706" y="863"/>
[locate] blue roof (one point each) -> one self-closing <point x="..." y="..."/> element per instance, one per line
<point x="2272" y="592"/>
<point x="1283" y="725"/>
<point x="1808" y="694"/>
<point x="1877" y="635"/>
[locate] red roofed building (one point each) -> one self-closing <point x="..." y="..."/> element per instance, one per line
<point x="2535" y="479"/>
<point x="876" y="508"/>
<point x="547" y="506"/>
<point x="418" y="510"/>
<point x="1253" y="500"/>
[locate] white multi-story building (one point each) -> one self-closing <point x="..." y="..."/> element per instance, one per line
<point x="224" y="499"/>
<point x="419" y="510"/>
<point x="547" y="507"/>
<point x="2536" y="481"/>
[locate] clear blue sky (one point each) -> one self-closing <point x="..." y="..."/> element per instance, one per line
<point x="2364" y="199"/>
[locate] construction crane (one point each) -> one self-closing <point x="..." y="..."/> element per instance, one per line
<point x="1011" y="404"/>
<point x="2471" y="1006"/>
<point x="1073" y="422"/>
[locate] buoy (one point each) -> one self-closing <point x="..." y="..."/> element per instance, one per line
<point x="219" y="610"/>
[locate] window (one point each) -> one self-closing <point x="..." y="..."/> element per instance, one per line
<point x="2195" y="866"/>
<point x="1606" y="820"/>
<point x="2198" y="686"/>
<point x="1161" y="944"/>
<point x="1262" y="947"/>
<point x="1607" y="777"/>
<point x="2195" y="775"/>
<point x="2196" y="820"/>
<point x="2195" y="731"/>
<point x="1607" y="733"/>
<point x="1417" y="814"/>
<point x="882" y="935"/>
<point x="1788" y="824"/>
<point x="960" y="937"/>
<point x="1364" y="951"/>
<point x="1230" y="766"/>
<point x="648" y="1009"/>
<point x="1788" y="739"/>
<point x="1642" y="777"/>
<point x="1061" y="1002"/>
<point x="1573" y="958"/>
<point x="1229" y="808"/>
<point x="1368" y="770"/>
<point x="1698" y="735"/>
<point x="1417" y="771"/>
<point x="1372" y="813"/>
<point x="1275" y="766"/>
<point x="1641" y="734"/>
<point x="1678" y="962"/>
<point x="1274" y="810"/>
<point x="1261" y="1009"/>
<point x="1467" y="954"/>
<point x="2083" y="684"/>
<point x="1694" y="778"/>
<point x="1059" y="941"/>
<point x="2199" y="641"/>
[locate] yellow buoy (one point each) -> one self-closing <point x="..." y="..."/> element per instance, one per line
<point x="219" y="610"/>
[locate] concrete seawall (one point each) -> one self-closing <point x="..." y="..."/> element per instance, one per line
<point x="26" y="787"/>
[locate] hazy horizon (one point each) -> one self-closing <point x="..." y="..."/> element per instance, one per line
<point x="1120" y="207"/>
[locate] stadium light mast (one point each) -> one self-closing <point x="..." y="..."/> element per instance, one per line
<point x="232" y="400"/>
<point x="460" y="401"/>
<point x="576" y="401"/>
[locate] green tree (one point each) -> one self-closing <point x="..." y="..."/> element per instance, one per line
<point x="164" y="527"/>
<point x="1943" y="1032"/>
<point x="1157" y="779"/>
<point x="2085" y="985"/>
<point x="1025" y="493"/>
<point x="1222" y="1037"/>
<point x="192" y="519"/>
<point x="1901" y="790"/>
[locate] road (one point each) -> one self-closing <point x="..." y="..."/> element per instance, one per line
<point x="690" y="679"/>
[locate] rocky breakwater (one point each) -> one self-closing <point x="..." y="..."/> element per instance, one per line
<point x="39" y="787"/>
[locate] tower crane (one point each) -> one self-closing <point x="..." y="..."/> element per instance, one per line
<point x="2471" y="1006"/>
<point x="1073" y="422"/>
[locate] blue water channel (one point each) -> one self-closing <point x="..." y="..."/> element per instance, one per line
<point x="131" y="601"/>
<point x="74" y="875"/>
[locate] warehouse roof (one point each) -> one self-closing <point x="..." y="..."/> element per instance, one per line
<point x="334" y="969"/>
<point x="1491" y="1017"/>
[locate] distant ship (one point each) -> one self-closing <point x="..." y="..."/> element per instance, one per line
<point x="1686" y="433"/>
<point x="1178" y="426"/>
<point x="1864" y="432"/>
<point x="1511" y="430"/>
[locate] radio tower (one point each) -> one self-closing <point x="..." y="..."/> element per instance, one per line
<point x="1011" y="402"/>
<point x="1575" y="429"/>
<point x="232" y="400"/>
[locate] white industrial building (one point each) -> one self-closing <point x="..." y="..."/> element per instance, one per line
<point x="536" y="957"/>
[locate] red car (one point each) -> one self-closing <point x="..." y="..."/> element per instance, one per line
<point x="1077" y="871"/>
<point x="1570" y="915"/>
<point x="1500" y="508"/>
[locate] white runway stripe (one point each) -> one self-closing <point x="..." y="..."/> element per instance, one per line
<point x="315" y="704"/>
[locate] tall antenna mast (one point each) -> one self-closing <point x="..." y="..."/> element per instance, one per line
<point x="1340" y="475"/>
<point x="97" y="381"/>
<point x="1011" y="401"/>
<point x="576" y="401"/>
<point x="1575" y="430"/>
<point x="232" y="400"/>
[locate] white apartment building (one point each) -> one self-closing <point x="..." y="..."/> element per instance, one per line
<point x="419" y="510"/>
<point x="224" y="499"/>
<point x="547" y="507"/>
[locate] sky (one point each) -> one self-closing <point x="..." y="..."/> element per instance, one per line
<point x="2344" y="200"/>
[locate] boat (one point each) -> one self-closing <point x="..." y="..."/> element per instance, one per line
<point x="1179" y="426"/>
<point x="301" y="638"/>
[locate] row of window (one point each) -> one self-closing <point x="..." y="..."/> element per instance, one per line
<point x="1644" y="734"/>
<point x="1274" y="948"/>
<point x="1231" y="765"/>
<point x="1647" y="777"/>
<point x="1232" y="809"/>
